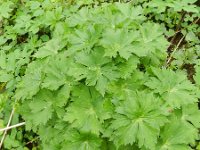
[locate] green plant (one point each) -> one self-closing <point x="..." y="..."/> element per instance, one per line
<point x="95" y="75"/>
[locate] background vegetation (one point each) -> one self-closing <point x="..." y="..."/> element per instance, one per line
<point x="99" y="75"/>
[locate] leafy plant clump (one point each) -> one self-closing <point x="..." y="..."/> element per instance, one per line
<point x="100" y="75"/>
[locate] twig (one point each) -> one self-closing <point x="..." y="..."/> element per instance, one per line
<point x="171" y="55"/>
<point x="178" y="27"/>
<point x="177" y="31"/>
<point x="194" y="22"/>
<point x="5" y="132"/>
<point x="13" y="126"/>
<point x="32" y="140"/>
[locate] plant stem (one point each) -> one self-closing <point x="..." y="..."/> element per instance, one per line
<point x="32" y="140"/>
<point x="171" y="55"/>
<point x="177" y="46"/>
<point x="8" y="124"/>
<point x="13" y="126"/>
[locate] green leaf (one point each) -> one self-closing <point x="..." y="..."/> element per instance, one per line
<point x="62" y="95"/>
<point x="29" y="85"/>
<point x="79" y="18"/>
<point x="34" y="4"/>
<point x="4" y="76"/>
<point x="5" y="9"/>
<point x="186" y="5"/>
<point x="83" y="115"/>
<point x="87" y="111"/>
<point x="128" y="67"/>
<point x="2" y="60"/>
<point x="174" y="87"/>
<point x="96" y="68"/>
<point x="138" y="119"/>
<point x="81" y="141"/>
<point x="197" y="74"/>
<point x="40" y="110"/>
<point x="102" y="84"/>
<point x="84" y="39"/>
<point x="135" y="82"/>
<point x="191" y="113"/>
<point x="119" y="41"/>
<point x="79" y="73"/>
<point x="150" y="40"/>
<point x="192" y="37"/>
<point x="10" y="142"/>
<point x="55" y="75"/>
<point x="128" y="11"/>
<point x="176" y="135"/>
<point x="49" y="135"/>
<point x="50" y="48"/>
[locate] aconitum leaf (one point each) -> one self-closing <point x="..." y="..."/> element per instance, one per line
<point x="138" y="120"/>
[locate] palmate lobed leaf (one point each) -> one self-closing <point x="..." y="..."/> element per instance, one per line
<point x="85" y="112"/>
<point x="29" y="86"/>
<point x="150" y="35"/>
<point x="80" y="18"/>
<point x="186" y="5"/>
<point x="41" y="111"/>
<point x="90" y="86"/>
<point x="49" y="135"/>
<point x="82" y="141"/>
<point x="96" y="68"/>
<point x="174" y="87"/>
<point x="150" y="41"/>
<point x="84" y="39"/>
<point x="128" y="11"/>
<point x="120" y="88"/>
<point x="191" y="114"/>
<point x="42" y="106"/>
<point x="81" y="114"/>
<point x="118" y="41"/>
<point x="138" y="119"/>
<point x="128" y="67"/>
<point x="50" y="48"/>
<point x="55" y="76"/>
<point x="177" y="134"/>
<point x="140" y="43"/>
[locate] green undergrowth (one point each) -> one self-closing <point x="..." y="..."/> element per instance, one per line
<point x="100" y="75"/>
